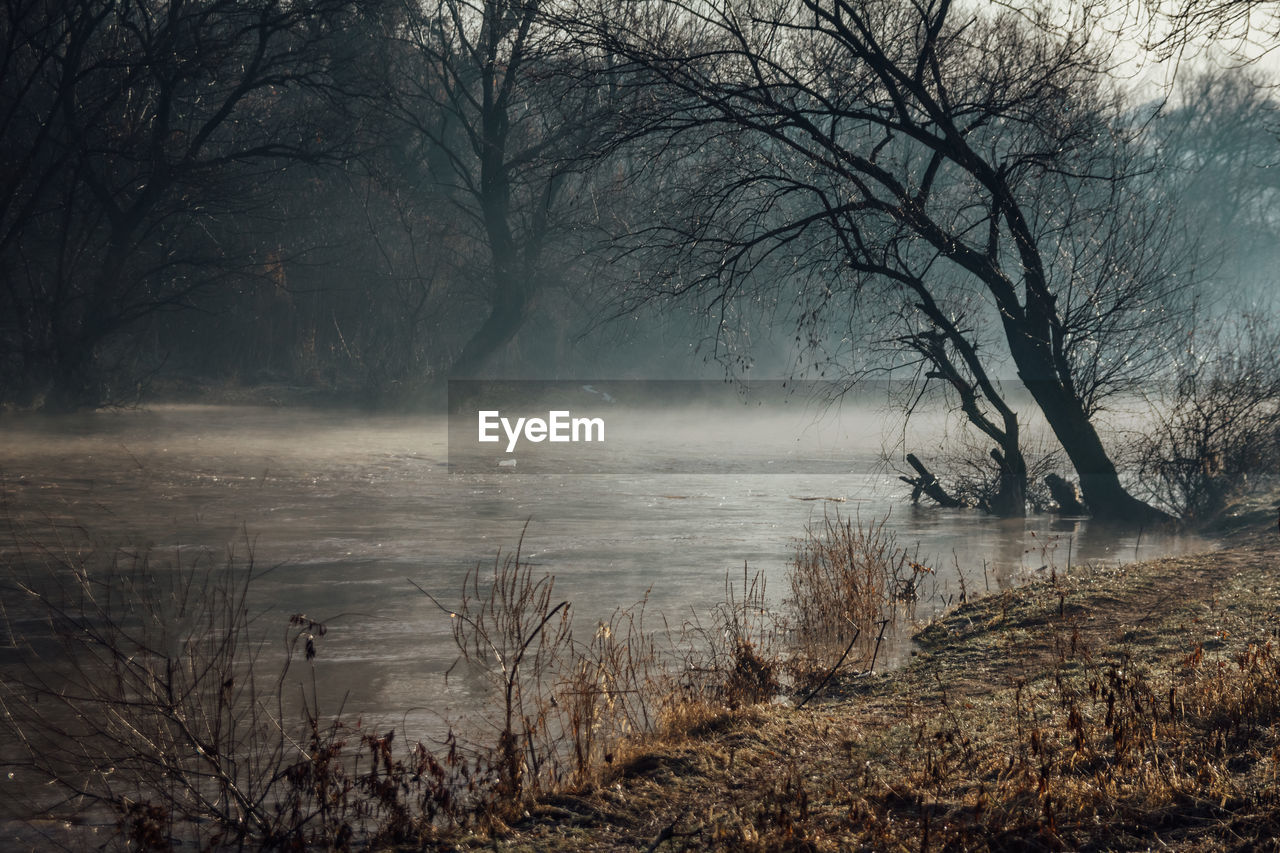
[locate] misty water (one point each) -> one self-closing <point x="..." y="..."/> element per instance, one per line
<point x="349" y="507"/>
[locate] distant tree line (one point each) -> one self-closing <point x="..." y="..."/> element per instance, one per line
<point x="374" y="194"/>
<point x="380" y="195"/>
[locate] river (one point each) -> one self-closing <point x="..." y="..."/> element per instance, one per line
<point x="348" y="507"/>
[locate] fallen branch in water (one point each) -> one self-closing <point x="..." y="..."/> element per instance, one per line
<point x="927" y="484"/>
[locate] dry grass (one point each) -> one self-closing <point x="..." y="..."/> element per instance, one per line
<point x="733" y="659"/>
<point x="848" y="581"/>
<point x="1108" y="709"/>
<point x="1104" y="709"/>
<point x="560" y="707"/>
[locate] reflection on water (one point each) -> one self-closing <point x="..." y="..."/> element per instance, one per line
<point x="350" y="506"/>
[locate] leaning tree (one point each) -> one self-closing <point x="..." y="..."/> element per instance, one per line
<point x="961" y="173"/>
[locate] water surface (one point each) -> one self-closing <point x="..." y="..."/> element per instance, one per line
<point x="349" y="506"/>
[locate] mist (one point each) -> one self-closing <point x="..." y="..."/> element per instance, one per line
<point x="914" y="304"/>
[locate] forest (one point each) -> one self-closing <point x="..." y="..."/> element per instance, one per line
<point x="361" y="199"/>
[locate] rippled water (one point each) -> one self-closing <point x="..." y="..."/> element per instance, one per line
<point x="350" y="506"/>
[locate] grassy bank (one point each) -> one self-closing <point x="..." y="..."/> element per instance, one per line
<point x="1100" y="709"/>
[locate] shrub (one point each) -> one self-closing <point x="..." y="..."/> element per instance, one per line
<point x="847" y="580"/>
<point x="1217" y="430"/>
<point x="151" y="692"/>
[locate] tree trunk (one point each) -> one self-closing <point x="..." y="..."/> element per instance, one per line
<point x="1099" y="482"/>
<point x="1030" y="332"/>
<point x="507" y="314"/>
<point x="1065" y="495"/>
<point x="513" y="276"/>
<point x="1010" y="500"/>
<point x="925" y="483"/>
<point x="512" y="292"/>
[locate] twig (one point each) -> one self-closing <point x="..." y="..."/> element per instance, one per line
<point x="883" y="624"/>
<point x="823" y="683"/>
<point x="667" y="833"/>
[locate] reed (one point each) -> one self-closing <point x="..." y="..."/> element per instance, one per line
<point x="153" y="692"/>
<point x="848" y="581"/>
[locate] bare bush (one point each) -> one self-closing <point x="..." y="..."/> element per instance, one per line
<point x="967" y="471"/>
<point x="735" y="659"/>
<point x="614" y="691"/>
<point x="142" y="695"/>
<point x="847" y="581"/>
<point x="514" y="633"/>
<point x="560" y="708"/>
<point x="150" y="694"/>
<point x="972" y="474"/>
<point x="1217" y="430"/>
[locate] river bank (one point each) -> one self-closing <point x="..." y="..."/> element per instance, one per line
<point x="1100" y="708"/>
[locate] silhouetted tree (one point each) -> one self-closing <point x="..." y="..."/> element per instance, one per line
<point x="129" y="126"/>
<point x="512" y="111"/>
<point x="932" y="159"/>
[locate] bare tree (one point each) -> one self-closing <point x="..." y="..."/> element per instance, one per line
<point x="128" y="128"/>
<point x="511" y="111"/>
<point x="936" y="164"/>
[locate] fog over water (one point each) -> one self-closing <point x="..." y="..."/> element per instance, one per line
<point x="348" y="507"/>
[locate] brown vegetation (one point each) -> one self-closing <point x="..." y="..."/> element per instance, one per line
<point x="1108" y="709"/>
<point x="1104" y="708"/>
<point x="149" y="695"/>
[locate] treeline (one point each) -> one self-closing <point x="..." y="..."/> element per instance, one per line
<point x="376" y="196"/>
<point x="370" y="195"/>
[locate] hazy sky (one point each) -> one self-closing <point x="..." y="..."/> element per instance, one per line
<point x="1151" y="77"/>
